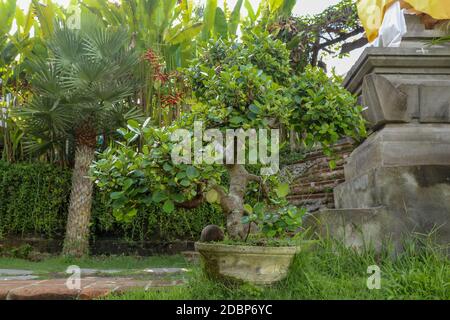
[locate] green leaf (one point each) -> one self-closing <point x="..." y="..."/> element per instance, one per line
<point x="208" y="18"/>
<point x="212" y="196"/>
<point x="259" y="208"/>
<point x="159" y="196"/>
<point x="234" y="18"/>
<point x="133" y="123"/>
<point x="181" y="175"/>
<point x="127" y="184"/>
<point x="178" y="197"/>
<point x="116" y="195"/>
<point x="185" y="183"/>
<point x="245" y="219"/>
<point x="168" y="206"/>
<point x="282" y="190"/>
<point x="248" y="208"/>
<point x="187" y="34"/>
<point x="167" y="167"/>
<point x="250" y="11"/>
<point x="132" y="213"/>
<point x="332" y="164"/>
<point x="7" y="10"/>
<point x="192" y="172"/>
<point x="236" y="120"/>
<point x="220" y="24"/>
<point x="253" y="108"/>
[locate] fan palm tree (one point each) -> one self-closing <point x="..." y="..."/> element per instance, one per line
<point x="79" y="91"/>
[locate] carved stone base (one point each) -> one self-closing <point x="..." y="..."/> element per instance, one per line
<point x="397" y="145"/>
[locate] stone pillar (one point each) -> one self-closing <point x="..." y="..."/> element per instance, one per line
<point x="398" y="179"/>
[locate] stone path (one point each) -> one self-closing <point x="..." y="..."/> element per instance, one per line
<point x="23" y="285"/>
<point x="90" y="288"/>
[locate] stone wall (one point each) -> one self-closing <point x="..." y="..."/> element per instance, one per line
<point x="313" y="180"/>
<point x="397" y="182"/>
<point x="100" y="246"/>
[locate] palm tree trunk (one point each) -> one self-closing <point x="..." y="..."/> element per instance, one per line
<point x="76" y="242"/>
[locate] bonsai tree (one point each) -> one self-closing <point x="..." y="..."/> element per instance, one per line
<point x="244" y="84"/>
<point x="241" y="85"/>
<point x="80" y="92"/>
<point x="248" y="84"/>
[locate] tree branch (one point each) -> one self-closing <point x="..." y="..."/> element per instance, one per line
<point x="348" y="47"/>
<point x="342" y="38"/>
<point x="254" y="177"/>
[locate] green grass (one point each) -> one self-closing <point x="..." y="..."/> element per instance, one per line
<point x="60" y="264"/>
<point x="332" y="272"/>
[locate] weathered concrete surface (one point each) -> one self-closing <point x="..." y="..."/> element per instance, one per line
<point x="388" y="102"/>
<point x="401" y="66"/>
<point x="258" y="265"/>
<point x="417" y="36"/>
<point x="15" y="272"/>
<point x="165" y="271"/>
<point x="401" y="145"/>
<point x="24" y="277"/>
<point x="417" y="195"/>
<point x="360" y="229"/>
<point x="383" y="101"/>
<point x="398" y="179"/>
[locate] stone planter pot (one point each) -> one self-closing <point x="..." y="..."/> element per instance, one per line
<point x="257" y="265"/>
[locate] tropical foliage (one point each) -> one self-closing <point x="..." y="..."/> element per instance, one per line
<point x="35" y="201"/>
<point x="138" y="180"/>
<point x="320" y="110"/>
<point x="71" y="76"/>
<point x="336" y="31"/>
<point x="82" y="89"/>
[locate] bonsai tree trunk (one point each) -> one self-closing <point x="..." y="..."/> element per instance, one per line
<point x="233" y="203"/>
<point x="76" y="242"/>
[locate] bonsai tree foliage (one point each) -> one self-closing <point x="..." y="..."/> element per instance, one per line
<point x="79" y="90"/>
<point x="240" y="85"/>
<point x="236" y="84"/>
<point x="248" y="84"/>
<point x="322" y="112"/>
<point x="139" y="178"/>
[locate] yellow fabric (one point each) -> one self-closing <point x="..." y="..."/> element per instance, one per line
<point x="371" y="12"/>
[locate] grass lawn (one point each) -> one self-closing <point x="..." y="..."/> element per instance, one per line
<point x="60" y="264"/>
<point x="332" y="272"/>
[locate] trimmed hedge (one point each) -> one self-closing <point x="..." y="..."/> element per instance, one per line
<point x="34" y="200"/>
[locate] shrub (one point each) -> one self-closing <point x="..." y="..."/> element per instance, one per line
<point x="34" y="199"/>
<point x="322" y="111"/>
<point x="155" y="224"/>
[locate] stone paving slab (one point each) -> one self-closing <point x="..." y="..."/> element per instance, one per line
<point x="88" y="271"/>
<point x="24" y="277"/>
<point x="90" y="288"/>
<point x="164" y="271"/>
<point x="15" y="272"/>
